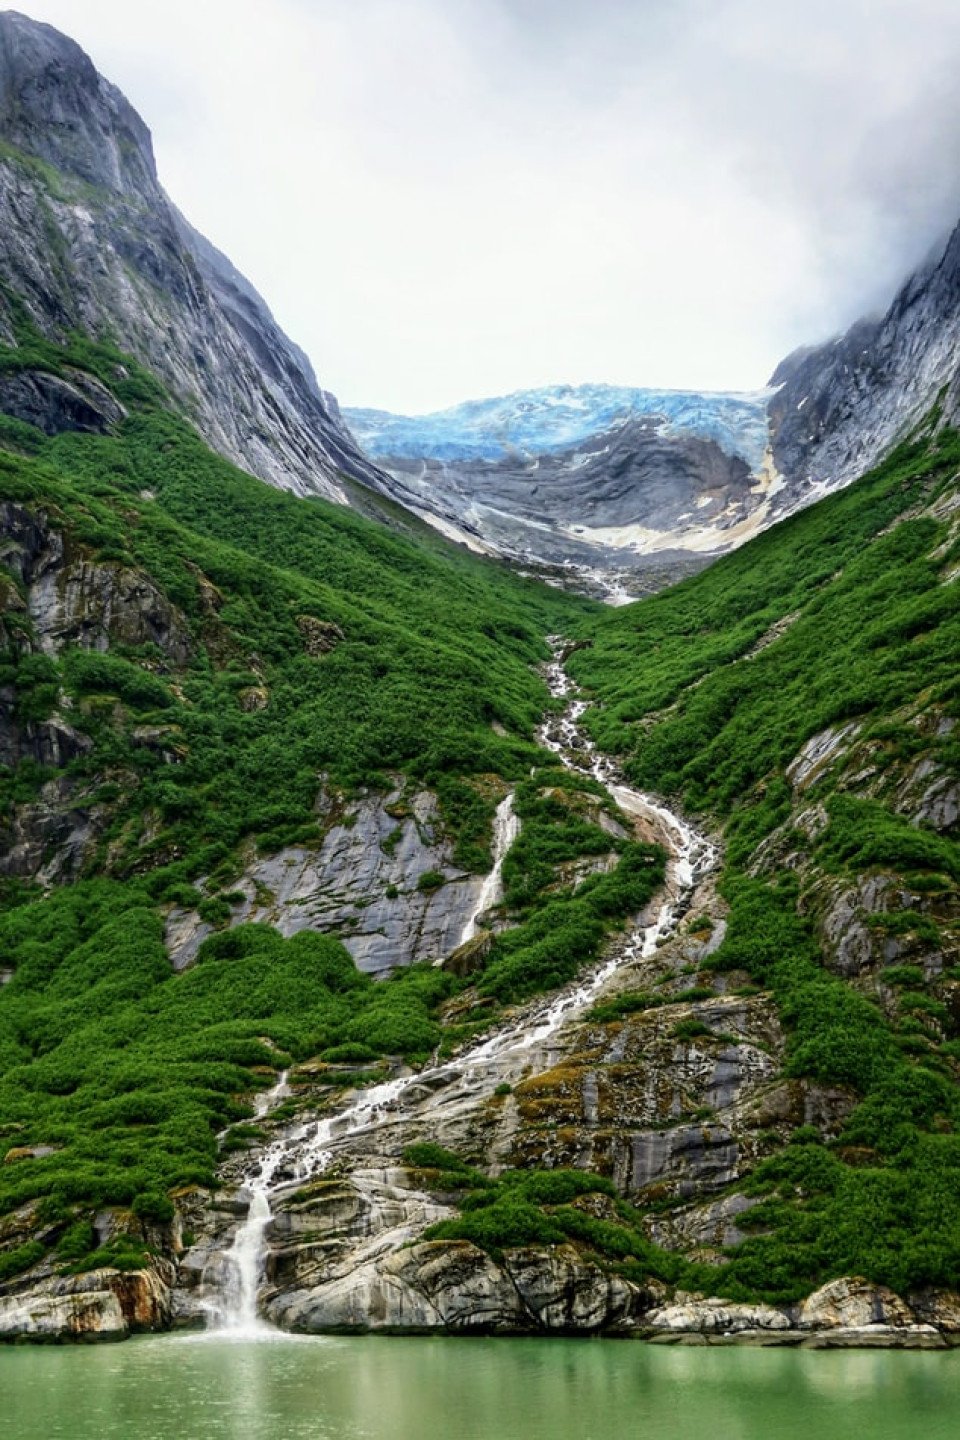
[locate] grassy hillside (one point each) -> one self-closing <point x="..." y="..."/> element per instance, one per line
<point x="838" y="630"/>
<point x="300" y="653"/>
<point x="802" y="694"/>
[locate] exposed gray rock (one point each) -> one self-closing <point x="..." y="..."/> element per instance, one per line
<point x="343" y="886"/>
<point x="453" y="1286"/>
<point x="819" y="753"/>
<point x="93" y="604"/>
<point x="73" y="599"/>
<point x="852" y="1303"/>
<point x="50" y="840"/>
<point x="693" y="1314"/>
<point x="714" y="1224"/>
<point x="122" y="260"/>
<point x="839" y="406"/>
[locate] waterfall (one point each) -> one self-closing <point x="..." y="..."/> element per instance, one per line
<point x="506" y="828"/>
<point x="244" y="1261"/>
<point x="507" y="1054"/>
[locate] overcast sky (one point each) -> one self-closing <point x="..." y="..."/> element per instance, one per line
<point x="442" y="199"/>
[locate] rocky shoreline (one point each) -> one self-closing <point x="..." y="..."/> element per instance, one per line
<point x="453" y="1288"/>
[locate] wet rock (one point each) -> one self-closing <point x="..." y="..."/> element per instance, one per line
<point x="29" y="1152"/>
<point x="564" y="1292"/>
<point x="73" y="599"/>
<point x="98" y="1305"/>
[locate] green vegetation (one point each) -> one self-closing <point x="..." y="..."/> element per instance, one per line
<point x="860" y="627"/>
<point x="429" y="648"/>
<point x="875" y="629"/>
<point x="129" y="1071"/>
<point x="546" y="1207"/>
<point x="297" y="651"/>
<point x="562" y="925"/>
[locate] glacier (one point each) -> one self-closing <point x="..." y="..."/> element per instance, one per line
<point x="559" y="417"/>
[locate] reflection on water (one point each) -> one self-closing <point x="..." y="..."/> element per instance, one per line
<point x="212" y="1388"/>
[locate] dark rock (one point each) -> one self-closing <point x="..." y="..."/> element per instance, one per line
<point x="53" y="404"/>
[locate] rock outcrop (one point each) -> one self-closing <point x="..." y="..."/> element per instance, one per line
<point x="104" y="1304"/>
<point x="383" y="880"/>
<point x="838" y="407"/>
<point x="54" y="404"/>
<point x="89" y="241"/>
<point x="454" y="1287"/>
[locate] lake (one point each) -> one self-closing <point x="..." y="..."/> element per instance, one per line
<point x="198" y="1388"/>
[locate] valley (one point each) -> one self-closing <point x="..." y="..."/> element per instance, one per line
<point x="394" y="938"/>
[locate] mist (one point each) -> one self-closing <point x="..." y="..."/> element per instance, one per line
<point x="447" y="198"/>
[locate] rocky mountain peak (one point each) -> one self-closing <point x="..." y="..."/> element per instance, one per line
<point x="89" y="241"/>
<point x="54" y="105"/>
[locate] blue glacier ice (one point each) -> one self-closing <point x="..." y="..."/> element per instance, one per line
<point x="560" y="417"/>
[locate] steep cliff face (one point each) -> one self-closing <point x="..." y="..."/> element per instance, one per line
<point x="838" y="407"/>
<point x="89" y="241"/>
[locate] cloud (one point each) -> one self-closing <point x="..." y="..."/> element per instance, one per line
<point x="445" y="198"/>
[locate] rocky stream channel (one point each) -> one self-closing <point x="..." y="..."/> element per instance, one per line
<point x="387" y="1116"/>
<point x="320" y="1229"/>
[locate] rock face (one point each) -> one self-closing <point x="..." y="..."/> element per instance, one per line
<point x="65" y="598"/>
<point x="53" y="404"/>
<point x="454" y="1287"/>
<point x="90" y="241"/>
<point x="839" y="406"/>
<point x="98" y="1305"/>
<point x="383" y="880"/>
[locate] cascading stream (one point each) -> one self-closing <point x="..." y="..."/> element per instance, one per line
<point x="506" y="1055"/>
<point x="506" y="828"/>
<point x="244" y="1260"/>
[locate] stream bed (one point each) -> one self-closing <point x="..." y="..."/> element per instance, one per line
<point x="231" y="1291"/>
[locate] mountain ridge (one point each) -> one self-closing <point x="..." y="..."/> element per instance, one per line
<point x="118" y="258"/>
<point x="828" y="414"/>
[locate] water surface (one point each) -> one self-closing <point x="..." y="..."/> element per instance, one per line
<point x="194" y="1388"/>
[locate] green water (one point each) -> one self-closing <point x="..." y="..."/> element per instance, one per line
<point x="369" y="1389"/>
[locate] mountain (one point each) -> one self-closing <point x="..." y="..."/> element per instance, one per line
<point x="89" y="241"/>
<point x="349" y="979"/>
<point x="620" y="490"/>
<point x="258" y="749"/>
<point x="614" y="488"/>
<point x="839" y="407"/>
